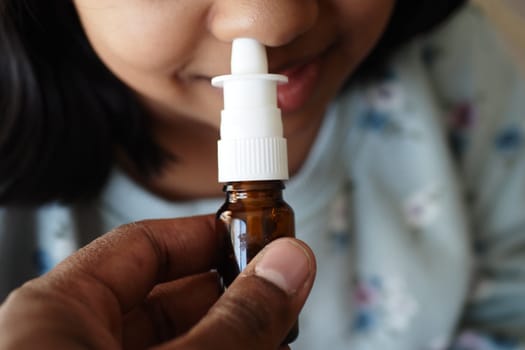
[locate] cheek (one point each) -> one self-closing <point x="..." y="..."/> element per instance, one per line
<point x="142" y="36"/>
<point x="363" y="24"/>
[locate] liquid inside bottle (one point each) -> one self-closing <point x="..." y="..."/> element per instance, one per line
<point x="253" y="215"/>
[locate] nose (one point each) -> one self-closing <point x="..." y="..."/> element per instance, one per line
<point x="272" y="22"/>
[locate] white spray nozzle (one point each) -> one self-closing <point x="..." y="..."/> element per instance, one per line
<point x="248" y="57"/>
<point x="252" y="146"/>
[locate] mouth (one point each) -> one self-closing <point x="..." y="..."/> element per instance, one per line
<point x="303" y="79"/>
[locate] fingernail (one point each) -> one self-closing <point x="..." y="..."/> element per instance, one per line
<point x="286" y="264"/>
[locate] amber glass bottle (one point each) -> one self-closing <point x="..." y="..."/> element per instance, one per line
<point x="252" y="159"/>
<point x="253" y="215"/>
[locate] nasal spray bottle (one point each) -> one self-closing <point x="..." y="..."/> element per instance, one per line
<point x="252" y="160"/>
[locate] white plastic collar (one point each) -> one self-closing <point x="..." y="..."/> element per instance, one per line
<point x="252" y="146"/>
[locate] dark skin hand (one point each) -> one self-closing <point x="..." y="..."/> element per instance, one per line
<point x="148" y="284"/>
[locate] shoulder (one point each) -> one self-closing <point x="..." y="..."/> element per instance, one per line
<point x="470" y="17"/>
<point x="18" y="247"/>
<point x="38" y="236"/>
<point x="466" y="55"/>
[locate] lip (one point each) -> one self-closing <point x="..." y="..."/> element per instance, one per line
<point x="302" y="80"/>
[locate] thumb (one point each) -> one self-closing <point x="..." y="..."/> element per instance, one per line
<point x="261" y="305"/>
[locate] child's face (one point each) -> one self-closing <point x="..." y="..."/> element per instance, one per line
<point x="168" y="50"/>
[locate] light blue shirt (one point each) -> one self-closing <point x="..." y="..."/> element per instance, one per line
<point x="412" y="197"/>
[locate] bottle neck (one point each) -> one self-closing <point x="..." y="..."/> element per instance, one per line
<point x="271" y="190"/>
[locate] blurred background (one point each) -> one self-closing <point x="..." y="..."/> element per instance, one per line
<point x="509" y="17"/>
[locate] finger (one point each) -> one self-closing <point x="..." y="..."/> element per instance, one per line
<point x="119" y="269"/>
<point x="261" y="305"/>
<point x="36" y="318"/>
<point x="170" y="310"/>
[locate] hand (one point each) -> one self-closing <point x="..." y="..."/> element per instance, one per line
<point x="149" y="283"/>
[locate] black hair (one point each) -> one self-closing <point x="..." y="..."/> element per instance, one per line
<point x="63" y="114"/>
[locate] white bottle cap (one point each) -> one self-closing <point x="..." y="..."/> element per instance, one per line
<point x="252" y="146"/>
